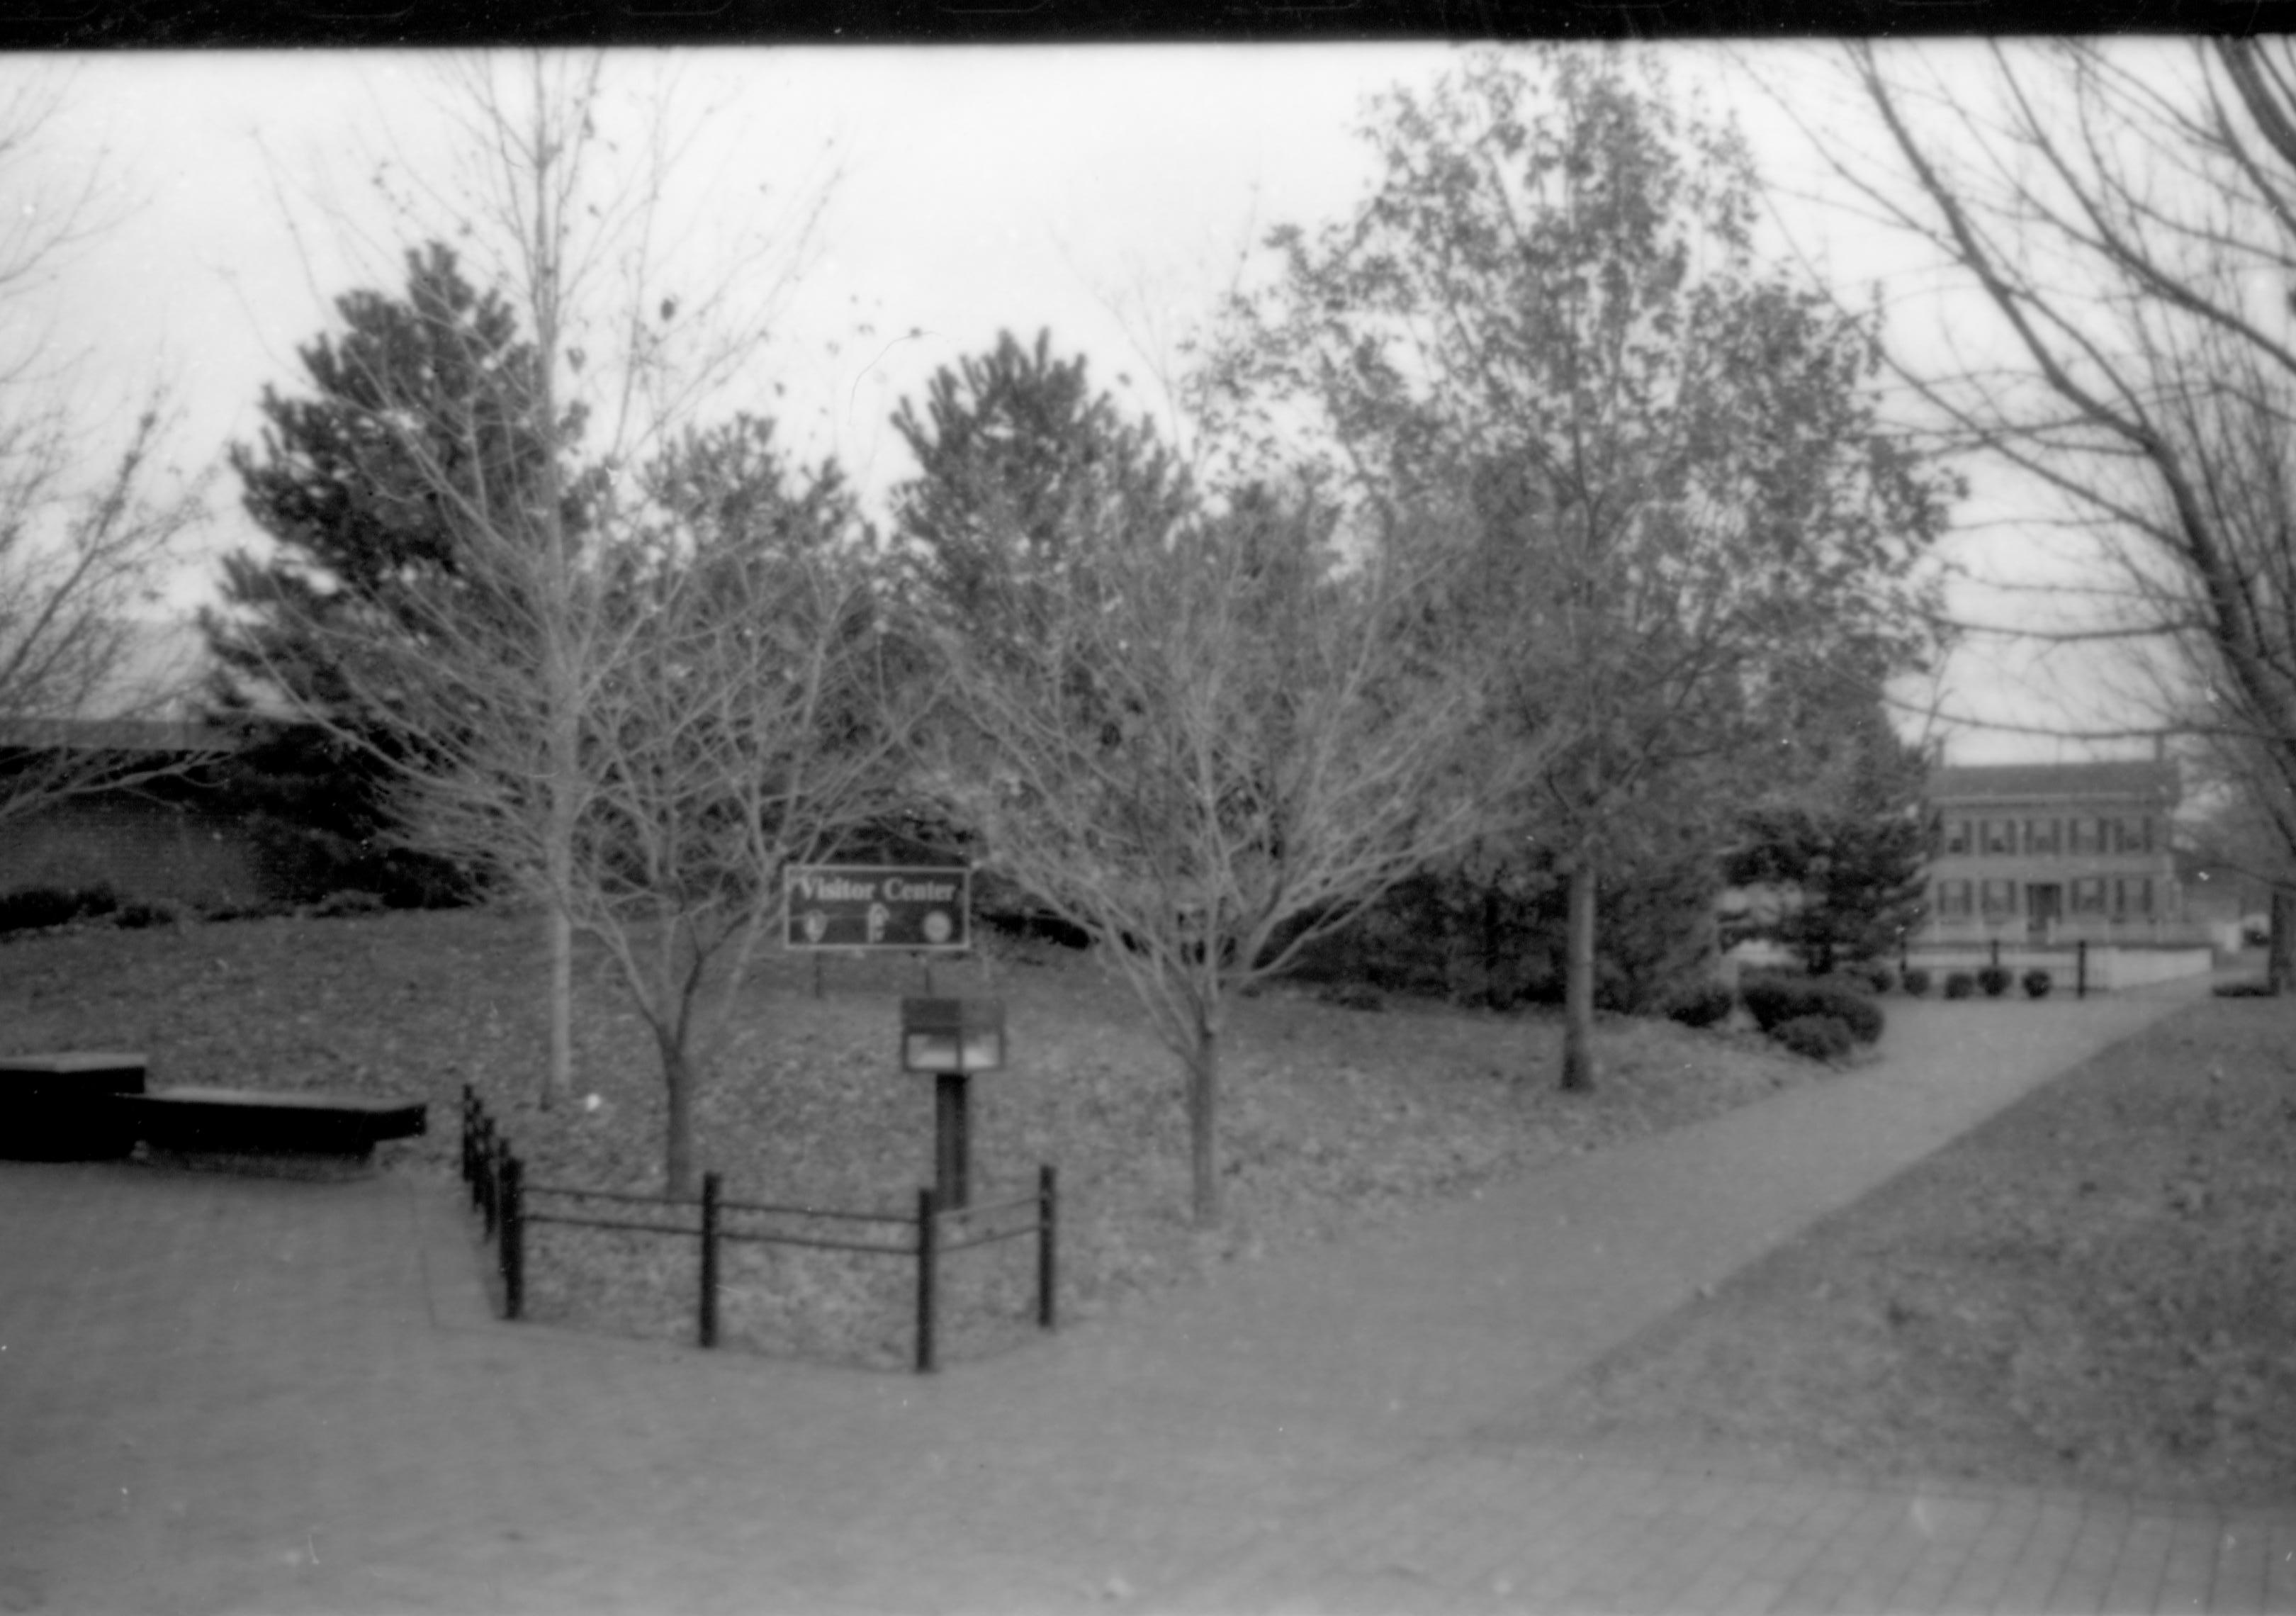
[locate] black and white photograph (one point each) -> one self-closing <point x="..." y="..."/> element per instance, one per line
<point x="1002" y="822"/>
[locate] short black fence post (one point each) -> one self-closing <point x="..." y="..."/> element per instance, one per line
<point x="927" y="1245"/>
<point x="709" y="1260"/>
<point x="482" y="1150"/>
<point x="513" y="1237"/>
<point x="1047" y="1262"/>
<point x="2081" y="969"/>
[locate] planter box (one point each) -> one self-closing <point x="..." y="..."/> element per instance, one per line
<point x="250" y="1121"/>
<point x="65" y="1107"/>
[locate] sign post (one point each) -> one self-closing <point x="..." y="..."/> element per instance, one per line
<point x="952" y="1039"/>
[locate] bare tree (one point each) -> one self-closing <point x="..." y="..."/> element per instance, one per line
<point x="2126" y="211"/>
<point x="732" y="712"/>
<point x="83" y="546"/>
<point x="1217" y="745"/>
<point x="565" y="207"/>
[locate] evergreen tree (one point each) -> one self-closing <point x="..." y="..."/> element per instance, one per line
<point x="1855" y="857"/>
<point x="1020" y="463"/>
<point x="358" y="528"/>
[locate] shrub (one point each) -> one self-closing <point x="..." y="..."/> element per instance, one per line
<point x="1960" y="985"/>
<point x="2243" y="990"/>
<point x="1993" y="980"/>
<point x="136" y="916"/>
<point x="1875" y="975"/>
<point x="1917" y="981"/>
<point x="1353" y="996"/>
<point x="352" y="900"/>
<point x="2036" y="983"/>
<point x="1775" y="1000"/>
<point x="1817" y="1037"/>
<point x="1700" y="1005"/>
<point x="33" y="908"/>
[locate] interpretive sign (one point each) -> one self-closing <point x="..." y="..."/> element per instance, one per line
<point x="855" y="906"/>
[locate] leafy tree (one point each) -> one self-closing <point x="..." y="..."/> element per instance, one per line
<point x="1548" y="333"/>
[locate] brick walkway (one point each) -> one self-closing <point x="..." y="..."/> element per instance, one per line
<point x="231" y="1394"/>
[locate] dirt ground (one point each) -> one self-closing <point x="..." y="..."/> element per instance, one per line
<point x="2095" y="1289"/>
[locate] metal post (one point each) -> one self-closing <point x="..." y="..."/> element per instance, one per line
<point x="2081" y="969"/>
<point x="490" y="1150"/>
<point x="709" y="1260"/>
<point x="927" y="1245"/>
<point x="482" y="1152"/>
<point x="951" y="1143"/>
<point x="1047" y="1270"/>
<point x="513" y="1237"/>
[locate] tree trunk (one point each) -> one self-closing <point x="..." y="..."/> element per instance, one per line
<point x="680" y="1181"/>
<point x="1203" y="1126"/>
<point x="558" y="1082"/>
<point x="1578" y="980"/>
<point x="2280" y="954"/>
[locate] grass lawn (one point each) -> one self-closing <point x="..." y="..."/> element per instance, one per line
<point x="1334" y="1118"/>
<point x="2097" y="1289"/>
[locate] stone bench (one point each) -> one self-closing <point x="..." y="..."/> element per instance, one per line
<point x="65" y="1107"/>
<point x="260" y="1122"/>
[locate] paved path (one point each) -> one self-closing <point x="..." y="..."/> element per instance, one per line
<point x="226" y="1394"/>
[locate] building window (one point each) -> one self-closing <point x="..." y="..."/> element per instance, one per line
<point x="2088" y="895"/>
<point x="2001" y="836"/>
<point x="2132" y="895"/>
<point x="1952" y="897"/>
<point x="2082" y="837"/>
<point x="1956" y="836"/>
<point x="2135" y="835"/>
<point x="1999" y="897"/>
<point x="2041" y="836"/>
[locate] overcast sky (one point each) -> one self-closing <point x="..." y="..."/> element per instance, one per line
<point x="1105" y="193"/>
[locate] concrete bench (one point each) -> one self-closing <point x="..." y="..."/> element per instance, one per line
<point x="259" y="1123"/>
<point x="65" y="1107"/>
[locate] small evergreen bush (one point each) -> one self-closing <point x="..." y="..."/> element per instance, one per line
<point x="1775" y="1000"/>
<point x="2036" y="983"/>
<point x="1876" y="975"/>
<point x="136" y="916"/>
<point x="2243" y="990"/>
<point x="1993" y="980"/>
<point x="1960" y="985"/>
<point x="1917" y="981"/>
<point x="1817" y="1038"/>
<point x="1700" y="1005"/>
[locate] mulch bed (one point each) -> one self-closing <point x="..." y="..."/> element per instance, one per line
<point x="1334" y="1118"/>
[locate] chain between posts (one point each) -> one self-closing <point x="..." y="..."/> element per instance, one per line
<point x="496" y="1182"/>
